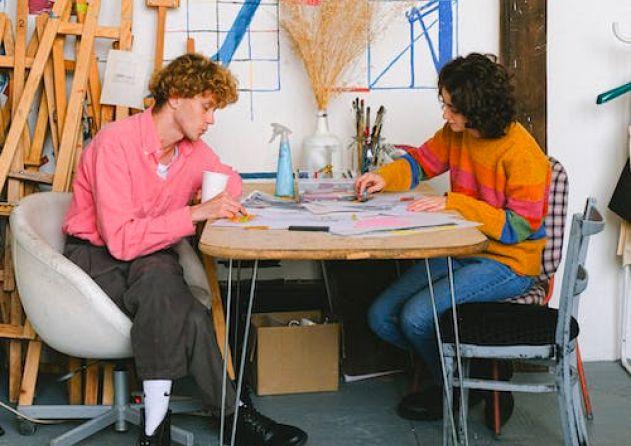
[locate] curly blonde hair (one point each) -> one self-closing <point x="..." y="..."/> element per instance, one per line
<point x="190" y="75"/>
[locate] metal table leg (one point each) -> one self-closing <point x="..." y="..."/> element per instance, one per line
<point x="243" y="355"/>
<point x="222" y="419"/>
<point x="460" y="437"/>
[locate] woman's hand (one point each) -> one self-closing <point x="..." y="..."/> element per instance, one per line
<point x="222" y="206"/>
<point x="428" y="204"/>
<point x="369" y="182"/>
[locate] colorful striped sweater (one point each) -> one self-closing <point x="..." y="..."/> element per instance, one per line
<point x="502" y="183"/>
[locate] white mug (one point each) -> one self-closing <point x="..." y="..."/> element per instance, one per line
<point x="213" y="184"/>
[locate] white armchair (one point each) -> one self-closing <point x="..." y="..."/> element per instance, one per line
<point x="73" y="315"/>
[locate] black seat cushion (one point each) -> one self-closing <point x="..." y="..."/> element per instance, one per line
<point x="499" y="323"/>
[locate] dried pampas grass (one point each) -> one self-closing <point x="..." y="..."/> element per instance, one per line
<point x="328" y="36"/>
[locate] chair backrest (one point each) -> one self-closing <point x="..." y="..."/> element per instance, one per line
<point x="67" y="309"/>
<point x="555" y="220"/>
<point x="575" y="276"/>
<point x="555" y="229"/>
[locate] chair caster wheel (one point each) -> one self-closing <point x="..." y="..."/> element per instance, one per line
<point x="26" y="427"/>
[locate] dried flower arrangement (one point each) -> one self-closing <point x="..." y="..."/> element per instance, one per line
<point x="328" y="36"/>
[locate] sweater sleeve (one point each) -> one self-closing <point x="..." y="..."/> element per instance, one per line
<point x="526" y="201"/>
<point x="419" y="163"/>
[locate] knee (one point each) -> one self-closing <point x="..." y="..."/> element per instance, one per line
<point x="156" y="268"/>
<point x="416" y="324"/>
<point x="378" y="320"/>
<point x="199" y="317"/>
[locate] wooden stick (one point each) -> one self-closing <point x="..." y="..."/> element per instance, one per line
<point x="49" y="90"/>
<point x="16" y="188"/>
<point x="218" y="314"/>
<point x="74" y="385"/>
<point x="29" y="376"/>
<point x="160" y="25"/>
<point x="75" y="108"/>
<point x="59" y="75"/>
<point x="127" y="13"/>
<point x="91" y="385"/>
<point x="94" y="80"/>
<point x="107" y="397"/>
<point x="161" y="6"/>
<point x="75" y="29"/>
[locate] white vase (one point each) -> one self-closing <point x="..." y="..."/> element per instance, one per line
<point x="323" y="148"/>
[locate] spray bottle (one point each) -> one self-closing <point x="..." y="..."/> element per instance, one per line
<point x="284" y="171"/>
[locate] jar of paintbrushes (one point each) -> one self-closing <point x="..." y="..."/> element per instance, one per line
<point x="368" y="145"/>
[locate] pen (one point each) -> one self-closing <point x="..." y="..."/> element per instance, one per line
<point x="309" y="228"/>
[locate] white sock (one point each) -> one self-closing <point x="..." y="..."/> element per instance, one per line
<point x="157" y="392"/>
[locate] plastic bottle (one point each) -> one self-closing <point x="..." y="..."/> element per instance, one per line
<point x="284" y="170"/>
<point x="323" y="147"/>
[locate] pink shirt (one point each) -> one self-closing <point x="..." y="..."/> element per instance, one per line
<point x="120" y="201"/>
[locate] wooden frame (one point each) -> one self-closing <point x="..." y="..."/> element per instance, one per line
<point x="523" y="52"/>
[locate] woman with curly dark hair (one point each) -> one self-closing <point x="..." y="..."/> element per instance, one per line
<point x="499" y="178"/>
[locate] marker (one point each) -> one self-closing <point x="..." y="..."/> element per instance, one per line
<point x="309" y="228"/>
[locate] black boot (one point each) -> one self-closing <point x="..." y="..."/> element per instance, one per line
<point x="254" y="429"/>
<point x="162" y="434"/>
<point x="427" y="405"/>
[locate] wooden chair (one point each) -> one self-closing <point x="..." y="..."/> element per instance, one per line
<point x="529" y="333"/>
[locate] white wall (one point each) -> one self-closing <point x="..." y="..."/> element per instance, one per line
<point x="241" y="137"/>
<point x="585" y="59"/>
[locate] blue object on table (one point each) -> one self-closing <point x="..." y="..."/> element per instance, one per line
<point x="284" y="171"/>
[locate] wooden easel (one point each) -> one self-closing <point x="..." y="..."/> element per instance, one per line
<point x="161" y="6"/>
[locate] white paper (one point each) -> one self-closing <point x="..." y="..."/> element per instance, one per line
<point x="125" y="80"/>
<point x="384" y="223"/>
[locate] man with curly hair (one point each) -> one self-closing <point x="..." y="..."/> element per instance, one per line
<point x="499" y="177"/>
<point x="130" y="206"/>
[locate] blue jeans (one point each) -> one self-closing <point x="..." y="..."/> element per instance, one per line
<point x="402" y="314"/>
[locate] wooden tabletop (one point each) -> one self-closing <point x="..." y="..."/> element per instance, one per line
<point x="238" y="243"/>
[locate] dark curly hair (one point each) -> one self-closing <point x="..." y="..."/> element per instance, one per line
<point x="481" y="91"/>
<point x="190" y="75"/>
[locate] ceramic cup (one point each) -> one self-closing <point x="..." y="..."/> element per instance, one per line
<point x="213" y="184"/>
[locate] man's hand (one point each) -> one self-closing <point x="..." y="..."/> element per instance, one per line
<point x="428" y="204"/>
<point x="369" y="182"/>
<point x="222" y="206"/>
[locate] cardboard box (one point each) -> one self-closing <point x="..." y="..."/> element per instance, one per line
<point x="294" y="359"/>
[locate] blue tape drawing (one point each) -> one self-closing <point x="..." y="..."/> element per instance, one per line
<point x="422" y="20"/>
<point x="237" y="31"/>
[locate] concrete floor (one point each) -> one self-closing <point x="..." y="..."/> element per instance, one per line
<point x="362" y="413"/>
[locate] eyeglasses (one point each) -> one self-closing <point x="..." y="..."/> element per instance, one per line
<point x="450" y="107"/>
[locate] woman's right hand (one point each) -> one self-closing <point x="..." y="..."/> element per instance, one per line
<point x="222" y="206"/>
<point x="369" y="182"/>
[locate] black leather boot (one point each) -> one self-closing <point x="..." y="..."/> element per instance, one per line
<point x="427" y="405"/>
<point x="162" y="434"/>
<point x="255" y="429"/>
